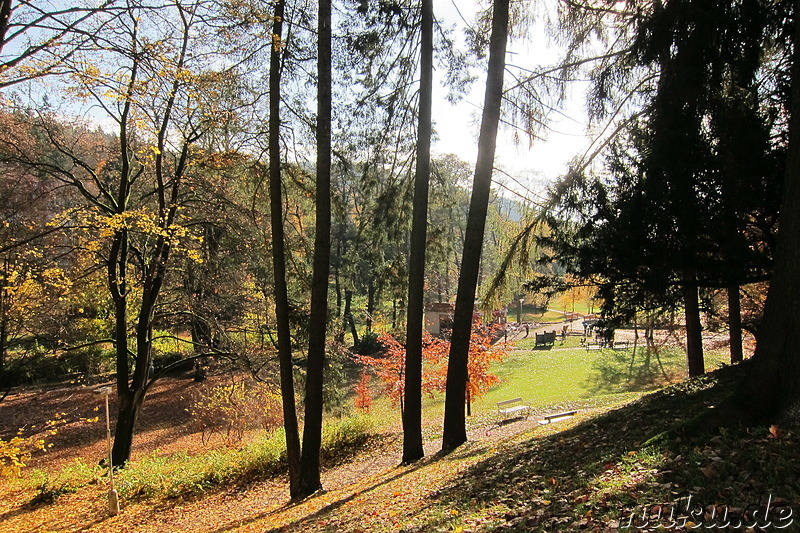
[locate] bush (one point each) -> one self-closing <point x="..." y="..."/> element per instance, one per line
<point x="369" y="344"/>
<point x="36" y="366"/>
<point x="235" y="408"/>
<point x="181" y="474"/>
<point x="343" y="438"/>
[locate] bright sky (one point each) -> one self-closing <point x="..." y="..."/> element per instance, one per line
<point x="457" y="125"/>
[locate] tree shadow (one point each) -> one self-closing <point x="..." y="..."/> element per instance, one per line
<point x="635" y="369"/>
<point x="331" y="507"/>
<point x="561" y="465"/>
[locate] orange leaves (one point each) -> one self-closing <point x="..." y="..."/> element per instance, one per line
<point x="363" y="399"/>
<point x="390" y="367"/>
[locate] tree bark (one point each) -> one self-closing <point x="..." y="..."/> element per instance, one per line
<point x="772" y="388"/>
<point x="412" y="414"/>
<point x="694" y="329"/>
<point x="735" y="324"/>
<point x="312" y="431"/>
<point x="279" y="259"/>
<point x="454" y="431"/>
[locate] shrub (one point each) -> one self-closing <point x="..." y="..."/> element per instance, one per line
<point x="180" y="474"/>
<point x="17" y="451"/>
<point x="236" y="407"/>
<point x="341" y="439"/>
<point x="369" y="344"/>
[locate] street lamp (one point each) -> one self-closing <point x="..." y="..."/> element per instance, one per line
<point x="519" y="311"/>
<point x="113" y="500"/>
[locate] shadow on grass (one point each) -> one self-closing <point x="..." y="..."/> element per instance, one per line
<point x="636" y="369"/>
<point x="541" y="484"/>
<point x="330" y="508"/>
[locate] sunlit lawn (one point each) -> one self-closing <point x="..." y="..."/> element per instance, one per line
<point x="564" y="376"/>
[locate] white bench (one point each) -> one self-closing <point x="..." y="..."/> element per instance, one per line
<point x="512" y="408"/>
<point x="557" y="416"/>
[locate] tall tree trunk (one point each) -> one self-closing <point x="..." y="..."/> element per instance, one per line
<point x="412" y="415"/>
<point x="348" y="316"/>
<point x="131" y="396"/>
<point x="3" y="341"/>
<point x="312" y="431"/>
<point x="127" y="413"/>
<point x="772" y="387"/>
<point x="371" y="293"/>
<point x="694" y="329"/>
<point x="130" y="405"/>
<point x="735" y="324"/>
<point x="4" y="312"/>
<point x="454" y="431"/>
<point x="279" y="260"/>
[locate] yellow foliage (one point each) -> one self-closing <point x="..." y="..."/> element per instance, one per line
<point x="16" y="452"/>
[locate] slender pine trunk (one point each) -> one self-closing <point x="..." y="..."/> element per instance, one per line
<point x="290" y="423"/>
<point x="312" y="430"/>
<point x="412" y="415"/>
<point x="735" y="324"/>
<point x="694" y="329"/>
<point x="454" y="430"/>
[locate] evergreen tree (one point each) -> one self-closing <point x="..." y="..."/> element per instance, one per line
<point x="454" y="417"/>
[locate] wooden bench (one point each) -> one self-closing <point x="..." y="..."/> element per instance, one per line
<point x="621" y="345"/>
<point x="513" y="408"/>
<point x="593" y="346"/>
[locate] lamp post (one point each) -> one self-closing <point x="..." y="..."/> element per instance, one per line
<point x="113" y="500"/>
<point x="519" y="310"/>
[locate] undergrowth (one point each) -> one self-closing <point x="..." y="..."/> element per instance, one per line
<point x="180" y="474"/>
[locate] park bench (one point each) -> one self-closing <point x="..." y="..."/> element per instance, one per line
<point x="548" y="338"/>
<point x="513" y="408"/>
<point x="621" y="345"/>
<point x="557" y="416"/>
<point x="593" y="346"/>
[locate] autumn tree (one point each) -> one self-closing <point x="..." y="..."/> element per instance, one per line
<point x="390" y="366"/>
<point x="163" y="97"/>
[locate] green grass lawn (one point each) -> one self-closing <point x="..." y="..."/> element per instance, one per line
<point x="569" y="373"/>
<point x="566" y="376"/>
<point x="554" y="314"/>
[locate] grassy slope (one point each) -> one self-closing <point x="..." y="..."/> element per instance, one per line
<point x="583" y="473"/>
<point x="588" y="474"/>
<point x="591" y="475"/>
